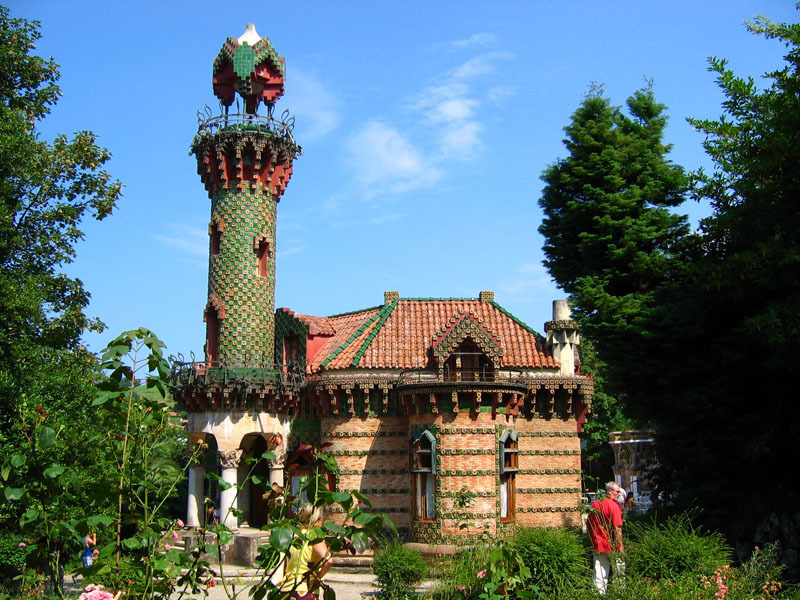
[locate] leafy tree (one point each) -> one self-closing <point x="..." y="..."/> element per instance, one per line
<point x="611" y="240"/>
<point x="46" y="189"/>
<point x="610" y="236"/>
<point x="722" y="339"/>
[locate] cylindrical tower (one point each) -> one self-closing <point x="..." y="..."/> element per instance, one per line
<point x="245" y="161"/>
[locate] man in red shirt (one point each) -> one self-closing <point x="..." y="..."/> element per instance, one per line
<point x="605" y="531"/>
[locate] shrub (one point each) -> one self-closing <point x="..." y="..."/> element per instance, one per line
<point x="397" y="570"/>
<point x="673" y="548"/>
<point x="459" y="578"/>
<point x="556" y="558"/>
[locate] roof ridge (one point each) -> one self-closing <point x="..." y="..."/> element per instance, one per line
<point x="383" y="314"/>
<point x="526" y="327"/>
<point x="354" y="312"/>
<point x="441" y="299"/>
<point x="350" y="339"/>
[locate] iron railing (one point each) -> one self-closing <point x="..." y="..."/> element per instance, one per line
<point x="483" y="374"/>
<point x="236" y="373"/>
<point x="210" y="124"/>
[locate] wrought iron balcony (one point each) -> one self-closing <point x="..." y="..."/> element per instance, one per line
<point x="484" y="374"/>
<point x="238" y="374"/>
<point x="209" y="124"/>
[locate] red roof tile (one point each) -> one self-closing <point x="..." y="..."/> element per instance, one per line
<point x="400" y="334"/>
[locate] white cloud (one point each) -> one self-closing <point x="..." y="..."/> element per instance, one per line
<point x="531" y="280"/>
<point x="294" y="249"/>
<point x="316" y="108"/>
<point x="386" y="218"/>
<point x="190" y="241"/>
<point x="446" y="127"/>
<point x="476" y="39"/>
<point x="386" y="162"/>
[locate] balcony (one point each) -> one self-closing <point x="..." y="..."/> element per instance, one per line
<point x="211" y="384"/>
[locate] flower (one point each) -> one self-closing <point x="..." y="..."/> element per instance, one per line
<point x="211" y="582"/>
<point x="167" y="547"/>
<point x="95" y="552"/>
<point x="179" y="523"/>
<point x="22" y="544"/>
<point x="95" y="592"/>
<point x="174" y="535"/>
<point x="481" y="574"/>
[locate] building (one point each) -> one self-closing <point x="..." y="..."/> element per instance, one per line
<point x="453" y="416"/>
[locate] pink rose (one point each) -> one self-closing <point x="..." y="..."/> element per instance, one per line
<point x="22" y="544"/>
<point x="179" y="523"/>
<point x="167" y="547"/>
<point x="481" y="574"/>
<point x="95" y="552"/>
<point x="174" y="535"/>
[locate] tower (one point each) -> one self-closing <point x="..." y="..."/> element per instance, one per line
<point x="244" y="159"/>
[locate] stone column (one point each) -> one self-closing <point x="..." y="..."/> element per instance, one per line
<point x="246" y="492"/>
<point x="277" y="465"/>
<point x="194" y="504"/>
<point x="229" y="465"/>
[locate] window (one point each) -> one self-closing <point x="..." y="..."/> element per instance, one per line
<point x="423" y="473"/>
<point x="509" y="465"/>
<point x="263" y="255"/>
<point x="468" y="363"/>
<point x="216" y="237"/>
<point x="212" y="335"/>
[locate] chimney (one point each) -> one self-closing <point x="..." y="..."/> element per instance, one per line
<point x="389" y="297"/>
<point x="563" y="337"/>
<point x="486" y="297"/>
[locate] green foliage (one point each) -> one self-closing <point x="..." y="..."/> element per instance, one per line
<point x="609" y="233"/>
<point x="556" y="558"/>
<point x="46" y="376"/>
<point x="397" y="570"/>
<point x="685" y="322"/>
<point x="737" y="303"/>
<point x="12" y="557"/>
<point x="673" y="548"/>
<point x="459" y="579"/>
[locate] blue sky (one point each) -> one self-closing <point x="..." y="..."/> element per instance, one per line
<point x="424" y="127"/>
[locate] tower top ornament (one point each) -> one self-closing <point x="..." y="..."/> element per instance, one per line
<point x="251" y="67"/>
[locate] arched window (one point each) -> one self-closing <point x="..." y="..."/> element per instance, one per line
<point x="509" y="465"/>
<point x="423" y="472"/>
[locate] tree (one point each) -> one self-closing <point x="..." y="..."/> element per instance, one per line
<point x="723" y="337"/>
<point x="711" y="339"/>
<point x="610" y="237"/>
<point x="46" y="189"/>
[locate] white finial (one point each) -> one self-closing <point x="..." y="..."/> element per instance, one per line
<point x="250" y="35"/>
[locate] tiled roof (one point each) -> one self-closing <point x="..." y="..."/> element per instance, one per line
<point x="316" y="325"/>
<point x="400" y="334"/>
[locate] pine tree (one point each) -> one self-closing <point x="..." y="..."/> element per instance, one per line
<point x="610" y="236"/>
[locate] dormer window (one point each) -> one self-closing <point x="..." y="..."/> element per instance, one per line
<point x="468" y="363"/>
<point x="509" y="465"/>
<point x="423" y="472"/>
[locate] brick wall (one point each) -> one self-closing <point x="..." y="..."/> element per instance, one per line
<point x="373" y="457"/>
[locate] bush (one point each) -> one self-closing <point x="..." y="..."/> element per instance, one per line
<point x="556" y="558"/>
<point x="673" y="548"/>
<point x="397" y="570"/>
<point x="459" y="579"/>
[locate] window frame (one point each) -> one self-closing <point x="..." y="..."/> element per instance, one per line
<point x="423" y="475"/>
<point x="509" y="466"/>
